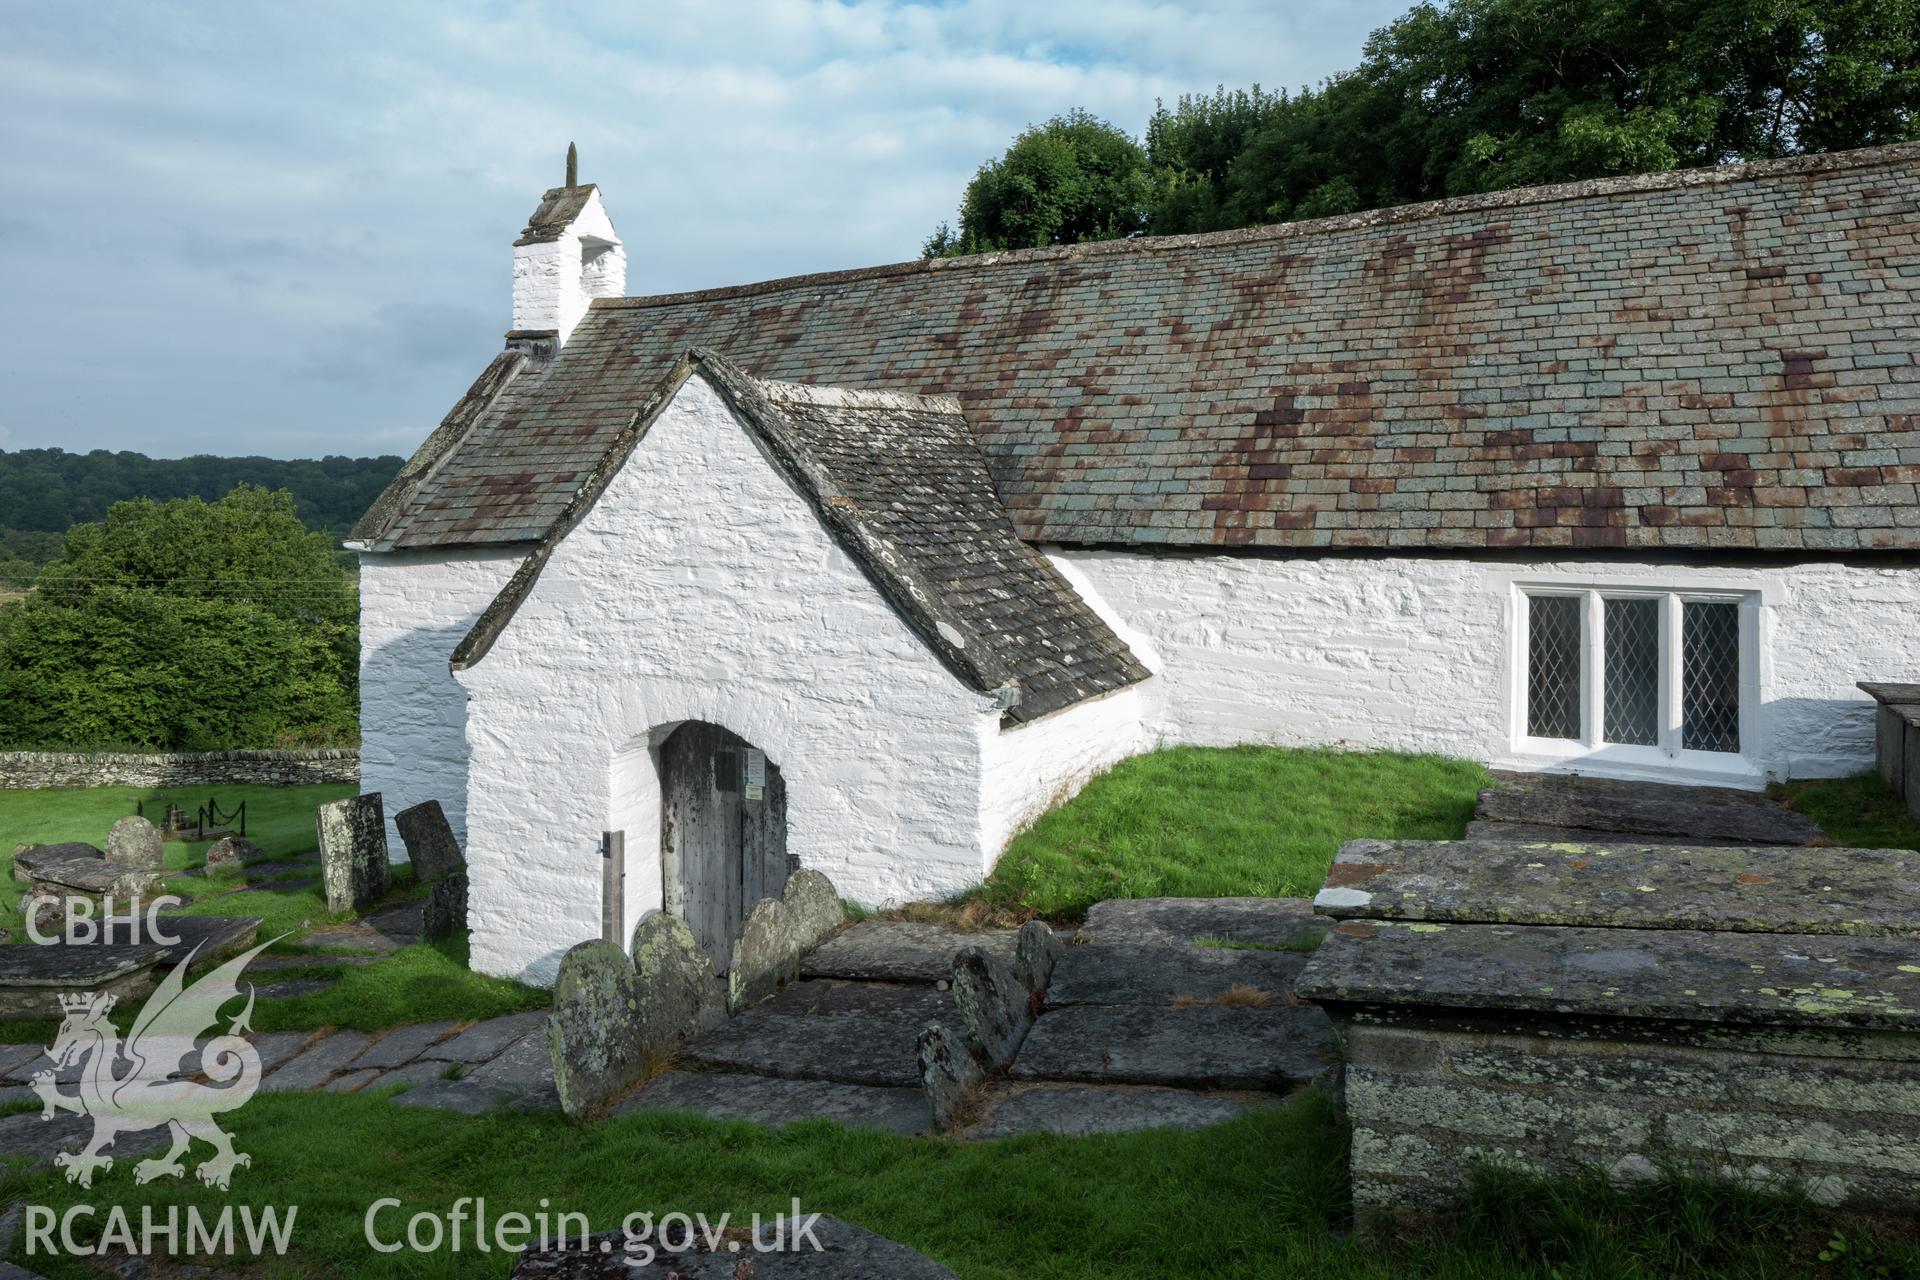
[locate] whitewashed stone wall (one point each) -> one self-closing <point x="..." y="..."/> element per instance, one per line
<point x="1414" y="654"/>
<point x="414" y="608"/>
<point x="702" y="587"/>
<point x="555" y="280"/>
<point x="1030" y="768"/>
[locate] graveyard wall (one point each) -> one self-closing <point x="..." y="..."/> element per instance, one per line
<point x="23" y="769"/>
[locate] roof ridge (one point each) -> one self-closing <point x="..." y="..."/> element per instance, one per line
<point x="1392" y="215"/>
<point x="837" y="397"/>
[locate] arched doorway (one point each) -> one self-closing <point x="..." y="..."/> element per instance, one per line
<point x="723" y="832"/>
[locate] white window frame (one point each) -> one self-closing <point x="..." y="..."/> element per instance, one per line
<point x="1668" y="754"/>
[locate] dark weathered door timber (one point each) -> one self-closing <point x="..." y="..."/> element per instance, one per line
<point x="723" y="832"/>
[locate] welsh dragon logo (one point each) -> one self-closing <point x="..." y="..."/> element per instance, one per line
<point x="159" y="1075"/>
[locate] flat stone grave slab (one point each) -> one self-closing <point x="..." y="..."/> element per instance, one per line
<point x="348" y="938"/>
<point x="774" y="1101"/>
<point x="413" y="1073"/>
<point x="32" y="977"/>
<point x="845" y="1252"/>
<point x="81" y="868"/>
<point x="1202" y="1046"/>
<point x="404" y="1044"/>
<point x="29" y="861"/>
<point x="1891" y="693"/>
<point x="523" y="1067"/>
<point x="1653" y="808"/>
<point x="1617" y="882"/>
<point x="1817" y="981"/>
<point x="1536" y="833"/>
<point x="856" y="1032"/>
<point x="1273" y="922"/>
<point x="899" y="951"/>
<point x="209" y="939"/>
<point x="1079" y="1109"/>
<point x="484" y="1040"/>
<point x="318" y="1064"/>
<point x="1130" y="973"/>
<point x="24" y="1133"/>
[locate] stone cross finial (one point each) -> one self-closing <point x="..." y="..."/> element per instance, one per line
<point x="573" y="166"/>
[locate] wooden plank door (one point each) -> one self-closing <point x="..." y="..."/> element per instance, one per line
<point x="723" y="839"/>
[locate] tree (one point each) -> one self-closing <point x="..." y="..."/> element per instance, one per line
<point x="1074" y="178"/>
<point x="1481" y="95"/>
<point x="186" y="625"/>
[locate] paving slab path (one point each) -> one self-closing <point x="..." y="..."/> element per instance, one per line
<point x="1167" y="1012"/>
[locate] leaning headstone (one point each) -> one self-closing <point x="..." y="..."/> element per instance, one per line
<point x="812" y="908"/>
<point x="762" y="960"/>
<point x="593" y="1036"/>
<point x="948" y="1075"/>
<point x="353" y="851"/>
<point x="431" y="847"/>
<point x="1034" y="954"/>
<point x="445" y="912"/>
<point x="678" y="994"/>
<point x="993" y="1003"/>
<point x="135" y="842"/>
<point x="229" y="852"/>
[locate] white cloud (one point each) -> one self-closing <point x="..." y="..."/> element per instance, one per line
<point x="268" y="196"/>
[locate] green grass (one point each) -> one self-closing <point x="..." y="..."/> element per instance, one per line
<point x="1858" y="811"/>
<point x="1263" y="1196"/>
<point x="419" y="983"/>
<point x="1197" y="822"/>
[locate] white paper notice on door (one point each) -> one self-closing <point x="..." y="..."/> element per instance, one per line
<point x="756" y="780"/>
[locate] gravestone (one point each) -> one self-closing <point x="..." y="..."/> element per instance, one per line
<point x="431" y="847"/>
<point x="593" y="1035"/>
<point x="777" y="932"/>
<point x="353" y="851"/>
<point x="1035" y="953"/>
<point x="135" y="842"/>
<point x="677" y="992"/>
<point x="948" y="1075"/>
<point x="229" y="852"/>
<point x="994" y="1004"/>
<point x="445" y="912"/>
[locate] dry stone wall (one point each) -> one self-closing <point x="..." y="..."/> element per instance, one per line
<point x="24" y="769"/>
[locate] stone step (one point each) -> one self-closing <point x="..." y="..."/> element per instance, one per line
<point x="1276" y="922"/>
<point x="820" y="1029"/>
<point x="899" y="951"/>
<point x="1649" y="808"/>
<point x="1196" y="1047"/>
<point x="1078" y="1109"/>
<point x="1156" y="974"/>
<point x="1535" y="833"/>
<point x="775" y="1101"/>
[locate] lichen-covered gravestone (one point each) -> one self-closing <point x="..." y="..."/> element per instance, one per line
<point x="233" y="851"/>
<point x="431" y="847"/>
<point x="1035" y="952"/>
<point x="135" y="842"/>
<point x="677" y="992"/>
<point x="993" y="1003"/>
<point x="777" y="932"/>
<point x="948" y="1075"/>
<point x="593" y="1036"/>
<point x="445" y="912"/>
<point x="353" y="851"/>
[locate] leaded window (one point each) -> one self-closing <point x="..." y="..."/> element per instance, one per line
<point x="1634" y="668"/>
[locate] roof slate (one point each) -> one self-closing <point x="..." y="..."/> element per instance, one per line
<point x="1720" y="358"/>
<point x="901" y="483"/>
<point x="558" y="207"/>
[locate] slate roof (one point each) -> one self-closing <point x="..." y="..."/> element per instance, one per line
<point x="558" y="207"/>
<point x="900" y="482"/>
<point x="1721" y="358"/>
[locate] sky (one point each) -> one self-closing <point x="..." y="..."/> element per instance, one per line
<point x="286" y="229"/>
